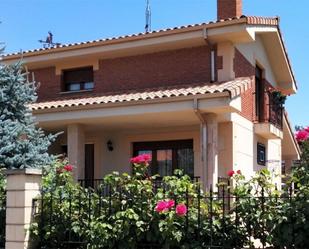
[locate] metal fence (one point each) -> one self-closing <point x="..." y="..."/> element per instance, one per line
<point x="228" y="224"/>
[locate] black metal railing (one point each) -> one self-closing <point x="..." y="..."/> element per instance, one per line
<point x="270" y="110"/>
<point x="276" y="111"/>
<point x="220" y="211"/>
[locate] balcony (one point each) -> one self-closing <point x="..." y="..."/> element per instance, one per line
<point x="269" y="123"/>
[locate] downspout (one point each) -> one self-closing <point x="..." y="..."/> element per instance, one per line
<point x="203" y="140"/>
<point x="212" y="56"/>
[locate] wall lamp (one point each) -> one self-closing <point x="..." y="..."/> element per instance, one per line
<point x="110" y="146"/>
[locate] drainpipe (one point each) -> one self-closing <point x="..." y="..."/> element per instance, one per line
<point x="203" y="140"/>
<point x="212" y="65"/>
<point x="212" y="56"/>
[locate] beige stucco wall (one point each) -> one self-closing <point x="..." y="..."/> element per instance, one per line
<point x="118" y="160"/>
<point x="255" y="53"/>
<point x="245" y="149"/>
<point x="225" y="148"/>
<point x="237" y="147"/>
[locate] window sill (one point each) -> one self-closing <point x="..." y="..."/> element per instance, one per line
<point x="72" y="92"/>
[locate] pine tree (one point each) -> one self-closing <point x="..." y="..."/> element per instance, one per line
<point x="22" y="143"/>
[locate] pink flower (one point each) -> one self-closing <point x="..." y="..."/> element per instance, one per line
<point x="170" y="204"/>
<point x="302" y="135"/>
<point x="238" y="172"/>
<point x="307" y="129"/>
<point x="181" y="209"/>
<point x="144" y="158"/>
<point x="230" y="173"/>
<point x="161" y="207"/>
<point x="68" y="168"/>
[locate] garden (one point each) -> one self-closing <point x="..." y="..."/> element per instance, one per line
<point x="141" y="211"/>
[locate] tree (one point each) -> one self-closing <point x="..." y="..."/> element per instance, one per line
<point x="22" y="143"/>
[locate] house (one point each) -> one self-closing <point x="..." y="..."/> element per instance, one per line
<point x="205" y="98"/>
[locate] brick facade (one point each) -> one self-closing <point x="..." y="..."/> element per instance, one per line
<point x="243" y="68"/>
<point x="178" y="67"/>
<point x="229" y="8"/>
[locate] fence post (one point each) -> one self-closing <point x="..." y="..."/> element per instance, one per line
<point x="23" y="185"/>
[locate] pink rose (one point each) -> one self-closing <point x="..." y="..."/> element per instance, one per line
<point x="144" y="158"/>
<point x="238" y="172"/>
<point x="181" y="209"/>
<point x="230" y="173"/>
<point x="161" y="207"/>
<point x="301" y="135"/>
<point x="170" y="204"/>
<point x="68" y="168"/>
<point x="307" y="129"/>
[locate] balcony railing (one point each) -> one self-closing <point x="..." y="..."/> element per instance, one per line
<point x="271" y="110"/>
<point x="276" y="111"/>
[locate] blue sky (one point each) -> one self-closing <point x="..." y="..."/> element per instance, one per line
<point x="24" y="22"/>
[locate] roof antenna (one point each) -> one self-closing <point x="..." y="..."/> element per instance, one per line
<point x="148" y="18"/>
<point x="48" y="42"/>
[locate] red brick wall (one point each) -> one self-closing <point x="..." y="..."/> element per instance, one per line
<point x="229" y="8"/>
<point x="243" y="68"/>
<point x="178" y="67"/>
<point x="50" y="83"/>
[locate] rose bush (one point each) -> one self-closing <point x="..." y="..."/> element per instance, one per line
<point x="127" y="211"/>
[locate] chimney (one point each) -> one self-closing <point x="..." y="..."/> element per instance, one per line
<point x="229" y="8"/>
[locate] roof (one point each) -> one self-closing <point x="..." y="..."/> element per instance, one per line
<point x="289" y="126"/>
<point x="252" y="20"/>
<point x="234" y="88"/>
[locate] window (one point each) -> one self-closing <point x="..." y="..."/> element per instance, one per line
<point x="78" y="79"/>
<point x="259" y="94"/>
<point x="168" y="156"/>
<point x="261" y="154"/>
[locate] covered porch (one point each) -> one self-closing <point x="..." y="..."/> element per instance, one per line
<point x="179" y="132"/>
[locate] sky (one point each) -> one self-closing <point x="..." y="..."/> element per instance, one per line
<point x="24" y="22"/>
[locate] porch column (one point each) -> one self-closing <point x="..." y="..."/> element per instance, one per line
<point x="76" y="149"/>
<point x="212" y="149"/>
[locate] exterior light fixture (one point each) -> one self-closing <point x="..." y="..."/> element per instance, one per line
<point x="110" y="146"/>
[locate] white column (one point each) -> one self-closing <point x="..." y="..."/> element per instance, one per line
<point x="212" y="149"/>
<point x="22" y="187"/>
<point x="76" y="149"/>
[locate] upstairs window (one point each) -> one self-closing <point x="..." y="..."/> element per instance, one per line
<point x="78" y="79"/>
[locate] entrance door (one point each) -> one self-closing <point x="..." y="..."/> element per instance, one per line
<point x="168" y="156"/>
<point x="89" y="165"/>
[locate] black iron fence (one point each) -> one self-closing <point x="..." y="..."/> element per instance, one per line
<point x="217" y="219"/>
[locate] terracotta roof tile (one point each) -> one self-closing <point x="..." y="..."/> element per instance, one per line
<point x="248" y="19"/>
<point x="234" y="87"/>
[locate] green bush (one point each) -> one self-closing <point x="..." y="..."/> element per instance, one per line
<point x="129" y="210"/>
<point x="128" y="213"/>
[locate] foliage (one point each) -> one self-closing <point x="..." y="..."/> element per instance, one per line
<point x="278" y="97"/>
<point x="22" y="144"/>
<point x="293" y="216"/>
<point x="124" y="212"/>
<point x="129" y="210"/>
